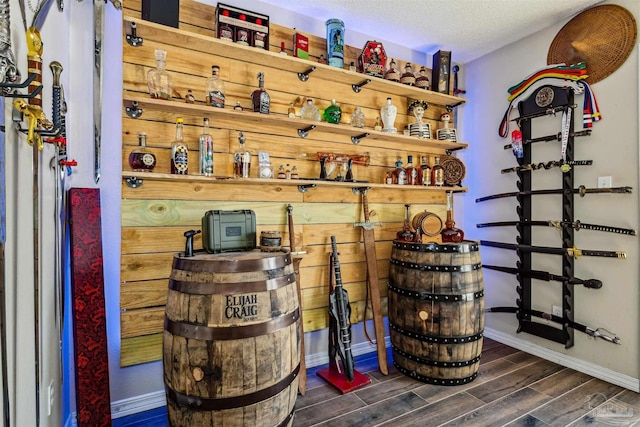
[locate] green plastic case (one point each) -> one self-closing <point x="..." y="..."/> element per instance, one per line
<point x="228" y="231"/>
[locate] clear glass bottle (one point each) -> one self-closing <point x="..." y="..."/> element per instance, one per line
<point x="291" y="112"/>
<point x="141" y="159"/>
<point x="260" y="98"/>
<point x="388" y="113"/>
<point x="412" y="172"/>
<point x="215" y="88"/>
<point x="450" y="233"/>
<point x="425" y="172"/>
<point x="179" y="152"/>
<point x="310" y="111"/>
<point x="406" y="234"/>
<point x="205" y="142"/>
<point x="333" y="113"/>
<point x="437" y="173"/>
<point x="160" y="82"/>
<point x="357" y="118"/>
<point x="399" y="174"/>
<point x="241" y="159"/>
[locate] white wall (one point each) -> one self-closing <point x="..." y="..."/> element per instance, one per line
<point x="613" y="147"/>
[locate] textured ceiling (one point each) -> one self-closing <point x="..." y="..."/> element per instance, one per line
<point x="468" y="28"/>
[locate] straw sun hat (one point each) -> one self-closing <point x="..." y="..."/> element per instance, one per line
<point x="602" y="37"/>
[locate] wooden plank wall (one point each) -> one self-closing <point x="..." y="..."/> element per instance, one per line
<point x="155" y="216"/>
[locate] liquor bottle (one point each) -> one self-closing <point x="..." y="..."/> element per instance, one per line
<point x="310" y="111"/>
<point x="333" y="113"/>
<point x="387" y="178"/>
<point x="392" y="73"/>
<point x="406" y="234"/>
<point x="422" y="81"/>
<point x="189" y="98"/>
<point x="215" y="88"/>
<point x="243" y="34"/>
<point x="408" y="78"/>
<point x="140" y="159"/>
<point x="412" y="172"/>
<point x="399" y="174"/>
<point x="450" y="232"/>
<point x="225" y="32"/>
<point x="205" y="142"/>
<point x="291" y="112"/>
<point x="294" y="172"/>
<point x="259" y="37"/>
<point x="378" y="124"/>
<point x="437" y="173"/>
<point x="388" y="113"/>
<point x="425" y="172"/>
<point x="241" y="159"/>
<point x="281" y="173"/>
<point x="260" y="98"/>
<point x="179" y="152"/>
<point x="283" y="51"/>
<point x="160" y="82"/>
<point x="357" y="118"/>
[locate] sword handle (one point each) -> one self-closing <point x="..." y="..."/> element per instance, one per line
<point x="292" y="234"/>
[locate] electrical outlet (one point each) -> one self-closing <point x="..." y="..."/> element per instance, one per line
<point x="604" y="182"/>
<point x="52" y="391"/>
<point x="556" y="310"/>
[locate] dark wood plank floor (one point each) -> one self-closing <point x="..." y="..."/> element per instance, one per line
<point x="513" y="388"/>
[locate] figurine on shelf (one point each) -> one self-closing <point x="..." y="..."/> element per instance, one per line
<point x="419" y="128"/>
<point x="422" y="81"/>
<point x="388" y="113"/>
<point x="446" y="133"/>
<point x="392" y="73"/>
<point x="408" y="78"/>
<point x="333" y="113"/>
<point x="357" y="118"/>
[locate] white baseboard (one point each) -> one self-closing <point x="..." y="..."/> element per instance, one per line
<point x="567" y="361"/>
<point x="134" y="405"/>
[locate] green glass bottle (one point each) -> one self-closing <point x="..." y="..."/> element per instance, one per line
<point x="333" y="113"/>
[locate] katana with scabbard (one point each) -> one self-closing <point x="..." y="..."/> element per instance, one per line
<point x="554" y="137"/>
<point x="574" y="252"/>
<point x="548" y="165"/>
<point x="595" y="333"/>
<point x="582" y="190"/>
<point x="302" y="375"/>
<point x="373" y="290"/>
<point x="546" y="276"/>
<point x="576" y="225"/>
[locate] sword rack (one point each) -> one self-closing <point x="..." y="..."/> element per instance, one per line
<point x="529" y="109"/>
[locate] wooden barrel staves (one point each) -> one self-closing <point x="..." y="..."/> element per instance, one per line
<point x="436" y="311"/>
<point x="231" y="345"/>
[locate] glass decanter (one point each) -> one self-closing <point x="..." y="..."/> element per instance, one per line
<point x="406" y="234"/>
<point x="140" y="159"/>
<point x="357" y="118"/>
<point x="160" y="82"/>
<point x="451" y="233"/>
<point x="310" y="111"/>
<point x="215" y="88"/>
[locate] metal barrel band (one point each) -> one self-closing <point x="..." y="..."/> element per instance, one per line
<point x="470" y="296"/>
<point x="435" y="381"/>
<point x="435" y="339"/>
<point x="444" y="268"/>
<point x="435" y="247"/>
<point x="437" y="363"/>
<point x="208" y="333"/>
<point x="209" y="288"/>
<point x="195" y="264"/>
<point x="211" y="404"/>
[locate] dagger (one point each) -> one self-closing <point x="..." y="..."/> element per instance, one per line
<point x="576" y="225"/>
<point x="595" y="333"/>
<point x="574" y="252"/>
<point x="548" y="165"/>
<point x="582" y="190"/>
<point x="546" y="276"/>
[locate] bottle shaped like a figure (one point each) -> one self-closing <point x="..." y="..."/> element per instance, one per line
<point x="392" y="73"/>
<point x="437" y="173"/>
<point x="205" y="142"/>
<point x="388" y="113"/>
<point x="260" y="98"/>
<point x="406" y="234"/>
<point x="412" y="172"/>
<point x="179" y="152"/>
<point x="408" y="78"/>
<point x="140" y="159"/>
<point x="422" y="81"/>
<point x="425" y="172"/>
<point x="357" y="118"/>
<point x="399" y="174"/>
<point x="241" y="159"/>
<point x="310" y="111"/>
<point x="215" y="88"/>
<point x="451" y="234"/>
<point x="333" y="113"/>
<point x="160" y="82"/>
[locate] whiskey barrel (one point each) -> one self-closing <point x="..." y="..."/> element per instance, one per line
<point x="436" y="311"/>
<point x="231" y="344"/>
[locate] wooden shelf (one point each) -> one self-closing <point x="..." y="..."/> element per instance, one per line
<point x="180" y="38"/>
<point x="397" y="140"/>
<point x="133" y="179"/>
